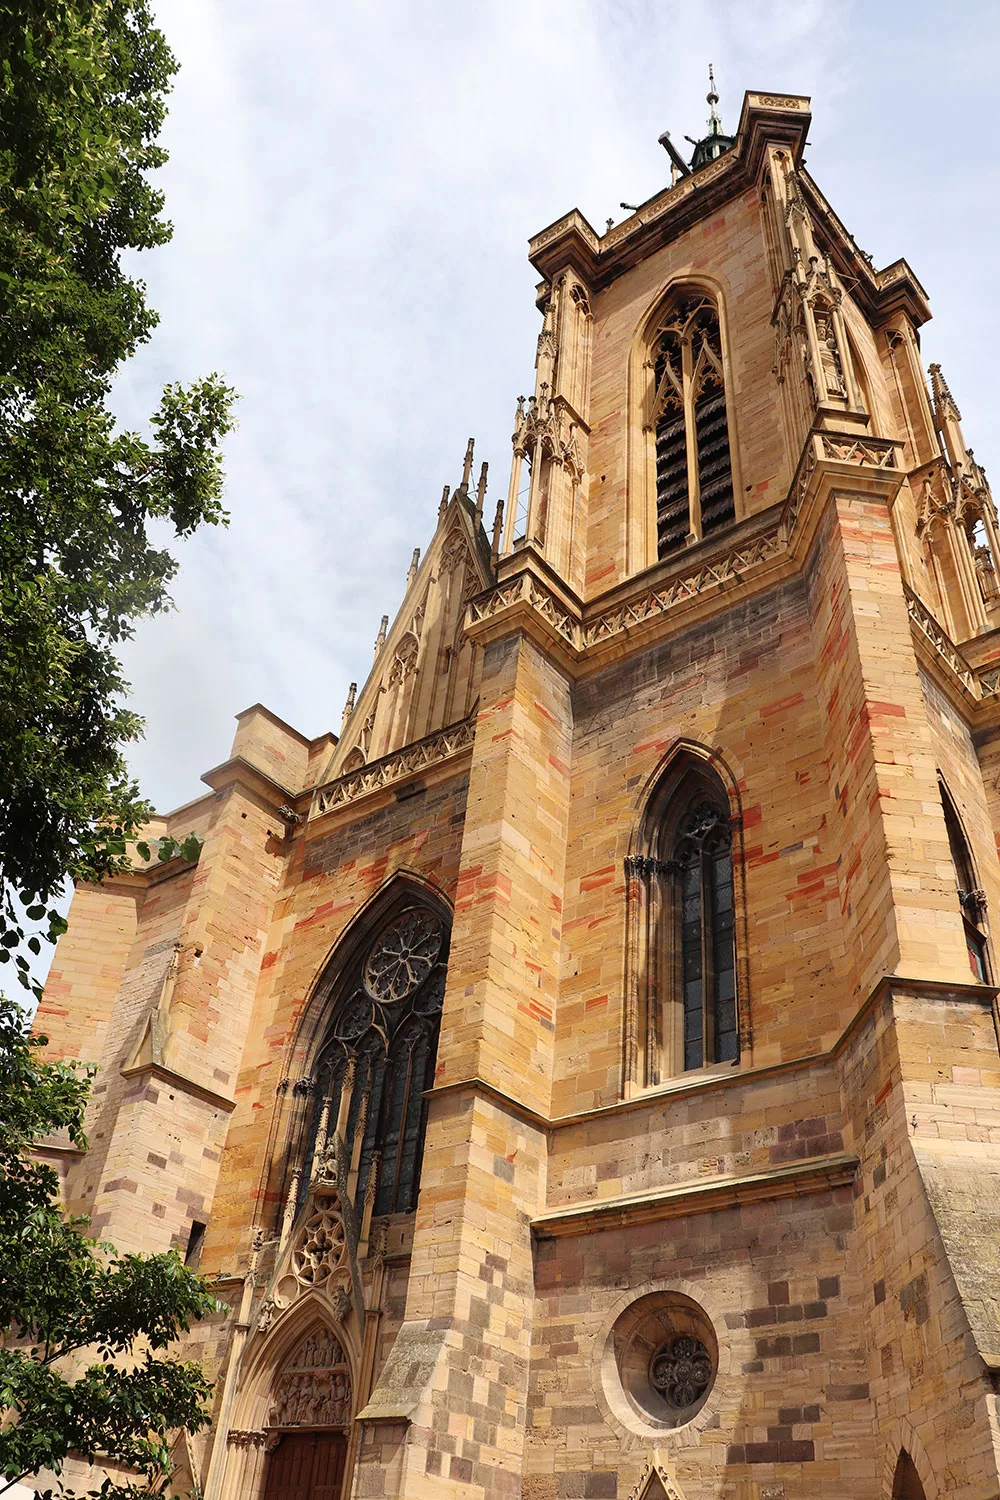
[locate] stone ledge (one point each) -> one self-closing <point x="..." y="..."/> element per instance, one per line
<point x="237" y="771"/>
<point x="815" y="1175"/>
<point x="181" y="1081"/>
<point x="746" y="558"/>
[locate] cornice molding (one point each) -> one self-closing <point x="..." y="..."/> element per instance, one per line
<point x="766" y="119"/>
<point x="181" y="1081"/>
<point x="974" y="690"/>
<point x="243" y="773"/>
<point x="814" y="1175"/>
<point x="757" y="553"/>
<point x="143" y="876"/>
<point x="685" y="1085"/>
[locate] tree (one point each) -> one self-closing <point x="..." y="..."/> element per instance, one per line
<point x="62" y="1294"/>
<point x="82" y="90"/>
<point x="82" y="99"/>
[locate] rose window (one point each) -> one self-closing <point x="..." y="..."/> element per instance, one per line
<point x="322" y="1246"/>
<point x="660" y="1363"/>
<point x="403" y="956"/>
<point x="681" y="1371"/>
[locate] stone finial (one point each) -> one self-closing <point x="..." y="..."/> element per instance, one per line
<point x="470" y="448"/>
<point x="349" y="705"/>
<point x="383" y="631"/>
<point x="944" y="401"/>
<point x="481" y="491"/>
<point x="497" y="530"/>
<point x="414" y="565"/>
<point x="445" y="493"/>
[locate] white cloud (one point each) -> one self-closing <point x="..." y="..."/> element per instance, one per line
<point x="352" y="188"/>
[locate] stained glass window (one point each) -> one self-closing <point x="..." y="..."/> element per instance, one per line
<point x="380" y="1048"/>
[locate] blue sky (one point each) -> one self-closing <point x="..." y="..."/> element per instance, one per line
<point x="352" y="187"/>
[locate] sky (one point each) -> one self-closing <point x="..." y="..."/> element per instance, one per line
<point x="352" y="186"/>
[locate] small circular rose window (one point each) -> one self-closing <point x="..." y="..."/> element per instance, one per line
<point x="662" y="1360"/>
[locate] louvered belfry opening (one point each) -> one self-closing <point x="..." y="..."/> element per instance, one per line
<point x="694" y="477"/>
<point x="671" y="481"/>
<point x="715" y="472"/>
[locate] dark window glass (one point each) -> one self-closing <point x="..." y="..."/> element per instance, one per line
<point x="715" y="475"/>
<point x="703" y="861"/>
<point x="975" y="945"/>
<point x="970" y="899"/>
<point x="672" y="523"/>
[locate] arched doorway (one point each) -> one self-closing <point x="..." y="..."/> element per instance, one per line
<point x="906" y="1481"/>
<point x="307" y="1422"/>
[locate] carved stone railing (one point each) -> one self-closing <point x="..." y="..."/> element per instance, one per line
<point x="877" y="453"/>
<point x="942" y="643"/>
<point x="717" y="572"/>
<point x="420" y="756"/>
<point x="527" y="590"/>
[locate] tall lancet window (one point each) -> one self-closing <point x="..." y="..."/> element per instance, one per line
<point x="368" y="1111"/>
<point x="684" y="897"/>
<point x="703" y="869"/>
<point x="689" y="421"/>
<point x="971" y="899"/>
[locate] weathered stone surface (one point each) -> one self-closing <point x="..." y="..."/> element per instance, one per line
<point x="830" y="1203"/>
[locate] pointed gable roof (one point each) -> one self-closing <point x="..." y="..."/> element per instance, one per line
<point x="424" y="674"/>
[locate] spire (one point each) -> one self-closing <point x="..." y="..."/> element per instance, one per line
<point x="382" y="632"/>
<point x="497" y="531"/>
<point x="712" y="98"/>
<point x="349" y="705"/>
<point x="948" y="420"/>
<point x="712" y="145"/>
<point x="944" y="401"/>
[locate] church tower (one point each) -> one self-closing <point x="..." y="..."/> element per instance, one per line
<point x="583" y="1072"/>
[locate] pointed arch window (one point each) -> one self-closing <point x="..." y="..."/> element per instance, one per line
<point x="971" y="898"/>
<point x="690" y="424"/>
<point x="702" y="872"/>
<point x="364" y="1128"/>
<point x="684" y="892"/>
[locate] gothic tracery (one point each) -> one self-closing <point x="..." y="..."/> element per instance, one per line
<point x="688" y="418"/>
<point x="374" y="1065"/>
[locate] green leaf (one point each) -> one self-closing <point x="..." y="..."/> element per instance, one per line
<point x="190" y="849"/>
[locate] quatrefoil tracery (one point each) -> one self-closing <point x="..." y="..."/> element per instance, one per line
<point x="681" y="1371"/>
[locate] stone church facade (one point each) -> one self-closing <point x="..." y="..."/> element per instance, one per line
<point x="582" y="1072"/>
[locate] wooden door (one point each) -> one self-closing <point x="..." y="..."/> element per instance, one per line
<point x="307" y="1466"/>
<point x="906" y="1481"/>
